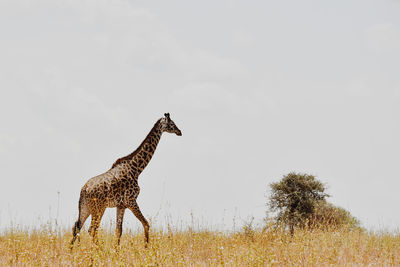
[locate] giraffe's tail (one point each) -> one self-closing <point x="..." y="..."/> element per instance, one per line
<point x="76" y="228"/>
<point x="81" y="219"/>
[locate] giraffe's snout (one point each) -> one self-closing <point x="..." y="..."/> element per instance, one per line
<point x="178" y="132"/>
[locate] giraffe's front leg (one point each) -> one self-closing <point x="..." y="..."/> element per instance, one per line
<point x="135" y="209"/>
<point x="120" y="218"/>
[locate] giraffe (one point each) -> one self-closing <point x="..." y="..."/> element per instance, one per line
<point x="118" y="187"/>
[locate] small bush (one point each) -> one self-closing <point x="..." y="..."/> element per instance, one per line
<point x="327" y="215"/>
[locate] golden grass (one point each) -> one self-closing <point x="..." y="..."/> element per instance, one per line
<point x="266" y="247"/>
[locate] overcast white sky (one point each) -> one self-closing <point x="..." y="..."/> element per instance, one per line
<point x="258" y="88"/>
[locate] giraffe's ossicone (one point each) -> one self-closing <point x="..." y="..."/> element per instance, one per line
<point x="118" y="187"/>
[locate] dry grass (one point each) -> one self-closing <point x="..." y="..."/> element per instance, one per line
<point x="206" y="248"/>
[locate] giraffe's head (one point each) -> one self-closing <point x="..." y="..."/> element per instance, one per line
<point x="168" y="125"/>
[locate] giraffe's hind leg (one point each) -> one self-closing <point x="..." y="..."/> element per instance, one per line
<point x="96" y="218"/>
<point x="83" y="215"/>
<point x="136" y="210"/>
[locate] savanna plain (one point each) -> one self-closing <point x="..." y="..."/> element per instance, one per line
<point x="250" y="246"/>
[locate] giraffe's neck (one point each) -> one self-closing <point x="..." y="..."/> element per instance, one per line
<point x="145" y="151"/>
<point x="139" y="158"/>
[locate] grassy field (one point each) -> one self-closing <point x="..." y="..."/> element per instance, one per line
<point x="265" y="247"/>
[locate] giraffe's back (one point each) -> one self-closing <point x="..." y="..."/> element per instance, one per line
<point x="110" y="189"/>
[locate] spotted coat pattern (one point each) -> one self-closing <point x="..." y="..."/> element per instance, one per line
<point x="118" y="187"/>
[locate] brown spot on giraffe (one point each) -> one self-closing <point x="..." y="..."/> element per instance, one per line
<point x="118" y="187"/>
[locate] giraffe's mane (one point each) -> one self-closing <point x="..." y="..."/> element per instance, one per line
<point x="131" y="155"/>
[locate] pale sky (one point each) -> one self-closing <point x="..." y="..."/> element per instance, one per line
<point x="258" y="88"/>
